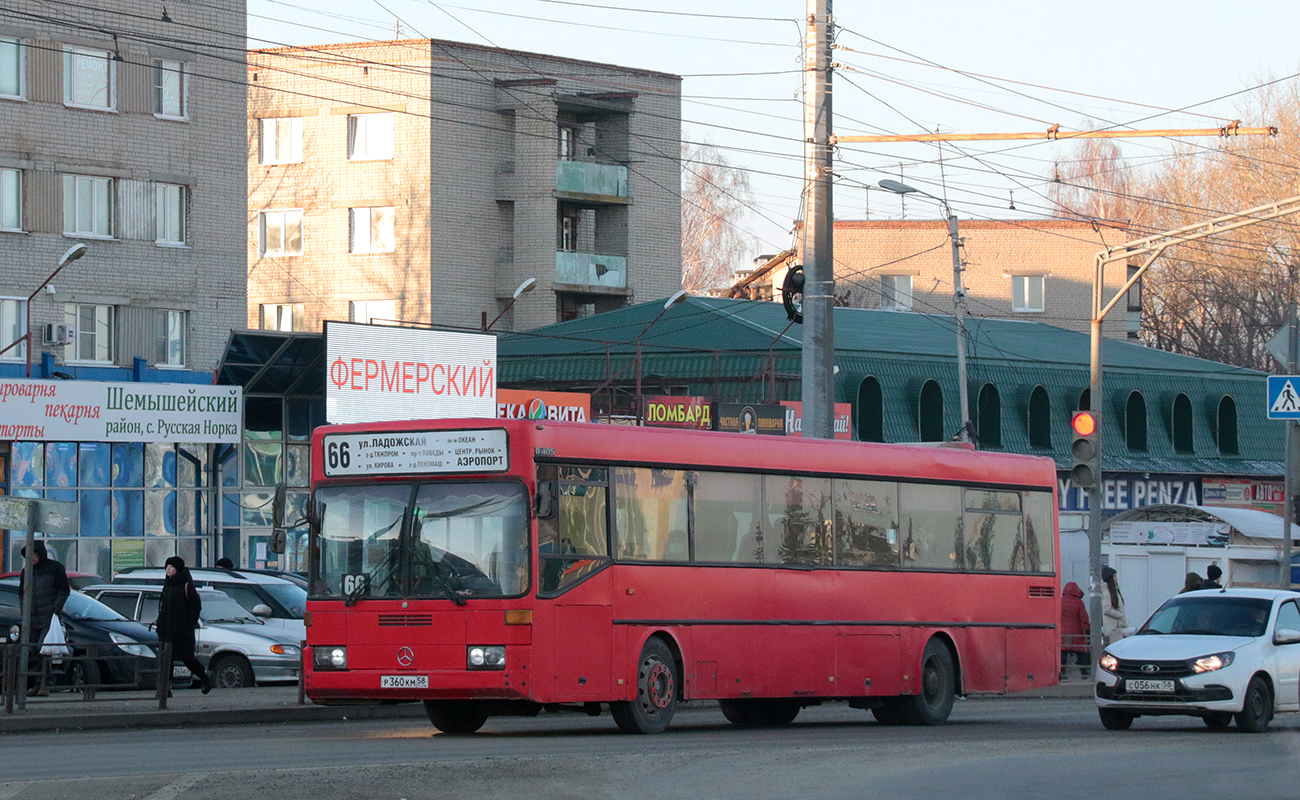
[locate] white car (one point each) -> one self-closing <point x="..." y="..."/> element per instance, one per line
<point x="1217" y="654"/>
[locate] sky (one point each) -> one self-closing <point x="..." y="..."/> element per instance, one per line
<point x="1150" y="64"/>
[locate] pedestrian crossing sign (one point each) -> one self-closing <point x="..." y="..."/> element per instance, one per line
<point x="1284" y="396"/>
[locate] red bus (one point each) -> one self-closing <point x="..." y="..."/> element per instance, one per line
<point x="505" y="567"/>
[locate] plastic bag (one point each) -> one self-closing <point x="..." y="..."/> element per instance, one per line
<point x="55" y="644"/>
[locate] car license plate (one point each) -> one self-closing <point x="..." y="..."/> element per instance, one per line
<point x="1149" y="686"/>
<point x="180" y="672"/>
<point x="404" y="682"/>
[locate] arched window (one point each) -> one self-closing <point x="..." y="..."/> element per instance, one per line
<point x="1226" y="426"/>
<point x="930" y="412"/>
<point x="1182" y="420"/>
<point x="1040" y="418"/>
<point x="1135" y="422"/>
<point x="871" y="411"/>
<point x="989" y="421"/>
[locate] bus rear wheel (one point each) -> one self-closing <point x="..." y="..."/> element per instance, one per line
<point x="453" y="716"/>
<point x="736" y="712"/>
<point x="656" y="692"/>
<point x="889" y="712"/>
<point x="774" y="713"/>
<point x="933" y="704"/>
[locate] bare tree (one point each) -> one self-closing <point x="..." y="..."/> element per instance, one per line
<point x="716" y="201"/>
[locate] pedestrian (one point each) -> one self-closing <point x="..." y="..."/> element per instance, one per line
<point x="178" y="616"/>
<point x="1114" y="620"/>
<point x="1212" y="575"/>
<point x="50" y="590"/>
<point x="1074" y="630"/>
<point x="1192" y="582"/>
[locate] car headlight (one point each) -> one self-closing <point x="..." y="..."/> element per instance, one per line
<point x="15" y="632"/>
<point x="1211" y="663"/>
<point x="284" y="649"/>
<point x="485" y="657"/>
<point x="330" y="657"/>
<point x="1108" y="662"/>
<point x="132" y="646"/>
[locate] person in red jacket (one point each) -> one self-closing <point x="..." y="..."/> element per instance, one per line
<point x="1074" y="630"/>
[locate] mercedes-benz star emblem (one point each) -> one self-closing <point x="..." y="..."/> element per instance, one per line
<point x="405" y="656"/>
<point x="1150" y="668"/>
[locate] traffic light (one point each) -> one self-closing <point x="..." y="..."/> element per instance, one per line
<point x="1085" y="450"/>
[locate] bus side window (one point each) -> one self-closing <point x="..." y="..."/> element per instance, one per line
<point x="930" y="529"/>
<point x="576" y="542"/>
<point x="728" y="516"/>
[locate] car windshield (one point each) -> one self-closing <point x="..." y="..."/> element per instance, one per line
<point x="218" y="607"/>
<point x="291" y="596"/>
<point x="452" y="540"/>
<point x="1210" y="615"/>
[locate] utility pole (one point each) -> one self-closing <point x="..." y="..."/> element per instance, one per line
<point x="1289" y="483"/>
<point x="818" y="254"/>
<point x="959" y="300"/>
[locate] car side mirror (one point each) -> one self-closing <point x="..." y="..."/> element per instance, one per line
<point x="544" y="502"/>
<point x="202" y="623"/>
<point x="1124" y="633"/>
<point x="278" y="539"/>
<point x="1286" y="636"/>
<point x="277" y="505"/>
<point x="262" y="610"/>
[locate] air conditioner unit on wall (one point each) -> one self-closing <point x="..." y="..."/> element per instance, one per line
<point x="56" y="334"/>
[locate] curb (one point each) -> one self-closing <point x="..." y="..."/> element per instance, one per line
<point x="169" y="719"/>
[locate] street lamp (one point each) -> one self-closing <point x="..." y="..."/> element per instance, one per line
<point x="73" y="253"/>
<point x="523" y="289"/>
<point x="958" y="299"/>
<point x="679" y="296"/>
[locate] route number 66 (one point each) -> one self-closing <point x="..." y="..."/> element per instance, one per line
<point x="355" y="584"/>
<point x="337" y="455"/>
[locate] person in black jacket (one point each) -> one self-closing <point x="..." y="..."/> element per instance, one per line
<point x="1212" y="575"/>
<point x="178" y="616"/>
<point x="50" y="590"/>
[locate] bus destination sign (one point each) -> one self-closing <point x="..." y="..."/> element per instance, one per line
<point x="415" y="452"/>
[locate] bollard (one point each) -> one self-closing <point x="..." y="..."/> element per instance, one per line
<point x="10" y="667"/>
<point x="88" y="688"/>
<point x="164" y="674"/>
<point x="302" y="673"/>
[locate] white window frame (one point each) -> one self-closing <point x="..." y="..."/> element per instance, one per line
<point x="280" y="140"/>
<point x="161" y="67"/>
<point x="11" y="200"/>
<point x="383" y="312"/>
<point x="370" y="136"/>
<point x="567" y="142"/>
<point x="79" y="190"/>
<point x="85" y="337"/>
<point x="284" y="215"/>
<point x="13" y="327"/>
<point x="1022" y="295"/>
<point x="70" y="56"/>
<point x="19" y="52"/>
<point x="282" y="316"/>
<point x="172" y="337"/>
<point x="362" y="229"/>
<point x="570" y="226"/>
<point x="893" y="294"/>
<point x="170" y="229"/>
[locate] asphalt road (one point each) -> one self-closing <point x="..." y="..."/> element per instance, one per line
<point x="1006" y="748"/>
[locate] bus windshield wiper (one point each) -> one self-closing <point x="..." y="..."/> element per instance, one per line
<point x="444" y="581"/>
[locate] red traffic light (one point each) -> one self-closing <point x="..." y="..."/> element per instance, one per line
<point x="1084" y="423"/>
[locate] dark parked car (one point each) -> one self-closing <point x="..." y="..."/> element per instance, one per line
<point x="124" y="652"/>
<point x="77" y="580"/>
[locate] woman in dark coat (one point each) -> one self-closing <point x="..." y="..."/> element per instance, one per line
<point x="178" y="616"/>
<point x="1074" y="629"/>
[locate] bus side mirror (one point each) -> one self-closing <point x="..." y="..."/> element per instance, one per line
<point x="544" y="503"/>
<point x="278" y="537"/>
<point x="277" y="507"/>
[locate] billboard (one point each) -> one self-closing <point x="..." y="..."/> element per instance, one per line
<point x="843" y="422"/>
<point x="749" y="418"/>
<point x="377" y="373"/>
<point x="555" y="406"/>
<point x="673" y="411"/>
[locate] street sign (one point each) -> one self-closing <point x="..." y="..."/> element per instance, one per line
<point x="1284" y="396"/>
<point x="52" y="516"/>
<point x="1280" y="345"/>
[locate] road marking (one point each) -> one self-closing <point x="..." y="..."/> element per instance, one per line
<point x="176" y="788"/>
<point x="8" y="790"/>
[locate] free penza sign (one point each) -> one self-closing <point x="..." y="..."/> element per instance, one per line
<point x="376" y="373"/>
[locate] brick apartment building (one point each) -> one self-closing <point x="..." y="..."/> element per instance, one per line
<point x="424" y="181"/>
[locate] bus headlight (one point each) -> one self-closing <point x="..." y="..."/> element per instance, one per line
<point x="485" y="657"/>
<point x="330" y="657"/>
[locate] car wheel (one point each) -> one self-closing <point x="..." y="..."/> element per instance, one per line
<point x="453" y="716"/>
<point x="1257" y="708"/>
<point x="1113" y="720"/>
<point x="231" y="672"/>
<point x="83" y="672"/>
<point x="1218" y="720"/>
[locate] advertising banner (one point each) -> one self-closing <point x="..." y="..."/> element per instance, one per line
<point x="377" y="373"/>
<point x="794" y="419"/>
<point x="1121" y="491"/>
<point x="749" y="418"/>
<point x="667" y="411"/>
<point x="1189" y="533"/>
<point x="95" y="411"/>
<point x="556" y="406"/>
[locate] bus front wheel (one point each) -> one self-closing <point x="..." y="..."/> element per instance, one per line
<point x="933" y="703"/>
<point x="451" y="716"/>
<point x="656" y="692"/>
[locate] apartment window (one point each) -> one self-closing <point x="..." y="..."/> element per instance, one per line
<point x="13" y="326"/>
<point x="372" y="230"/>
<point x="1027" y="293"/>
<point x="12" y="80"/>
<point x="568" y="143"/>
<point x="89" y="79"/>
<point x="11" y="200"/>
<point x="281" y="233"/>
<point x="281" y="140"/>
<point x="370" y="137"/>
<point x="171" y="338"/>
<point x="87" y="206"/>
<point x="93" y="332"/>
<point x="569" y="230"/>
<point x="169" y="208"/>
<point x="375" y="312"/>
<point x="282" y="316"/>
<point x="896" y="292"/>
<point x="171" y="86"/>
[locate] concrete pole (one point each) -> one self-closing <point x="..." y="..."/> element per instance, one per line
<point x="1095" y="616"/>
<point x="959" y="300"/>
<point x="1289" y="483"/>
<point x="818" y="256"/>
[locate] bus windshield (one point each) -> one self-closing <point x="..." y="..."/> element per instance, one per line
<point x="449" y="540"/>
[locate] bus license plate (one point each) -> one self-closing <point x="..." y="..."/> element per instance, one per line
<point x="404" y="682"/>
<point x="1149" y="686"/>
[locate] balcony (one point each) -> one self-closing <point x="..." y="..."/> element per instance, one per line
<point x="587" y="180"/>
<point x="588" y="270"/>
